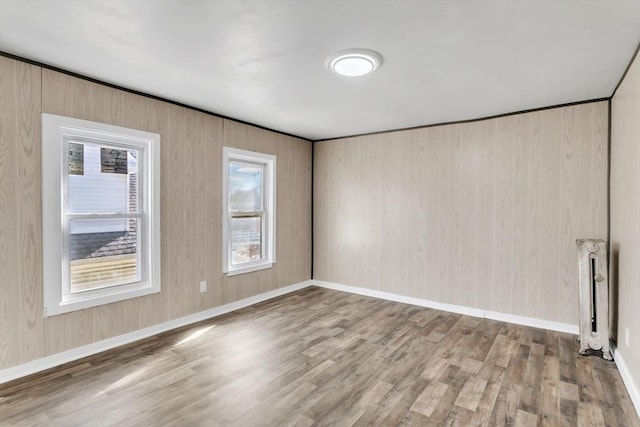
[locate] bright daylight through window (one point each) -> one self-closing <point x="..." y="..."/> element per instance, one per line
<point x="249" y="211"/>
<point x="101" y="225"/>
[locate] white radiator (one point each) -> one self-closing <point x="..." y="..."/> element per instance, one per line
<point x="594" y="296"/>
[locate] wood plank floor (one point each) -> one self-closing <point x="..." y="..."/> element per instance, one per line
<point x="322" y="357"/>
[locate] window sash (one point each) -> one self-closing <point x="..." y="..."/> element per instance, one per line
<point x="141" y="215"/>
<point x="141" y="252"/>
<point x="243" y="214"/>
<point x="262" y="214"/>
<point x="140" y="147"/>
<point x="264" y="255"/>
<point x="104" y="215"/>
<point x="112" y="282"/>
<point x="263" y="168"/>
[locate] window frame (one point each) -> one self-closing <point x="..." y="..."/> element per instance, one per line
<point x="267" y="214"/>
<point x="57" y="133"/>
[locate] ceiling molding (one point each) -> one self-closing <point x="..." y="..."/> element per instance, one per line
<point x="480" y="119"/>
<point x="137" y="92"/>
<point x="626" y="70"/>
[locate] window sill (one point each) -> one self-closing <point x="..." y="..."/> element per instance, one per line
<point x="249" y="269"/>
<point x="108" y="296"/>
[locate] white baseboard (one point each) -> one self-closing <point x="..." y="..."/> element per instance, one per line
<point x="532" y="321"/>
<point x="48" y="362"/>
<point x="632" y="388"/>
<point x="469" y="311"/>
<point x="475" y="312"/>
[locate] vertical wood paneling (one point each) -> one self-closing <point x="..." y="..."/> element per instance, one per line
<point x="293" y="210"/>
<point x="174" y="220"/>
<point x="10" y="317"/>
<point x="191" y="180"/>
<point x="29" y="209"/>
<point x="21" y="325"/>
<point x="481" y="214"/>
<point x="549" y="195"/>
<point x="211" y="224"/>
<point x="625" y="217"/>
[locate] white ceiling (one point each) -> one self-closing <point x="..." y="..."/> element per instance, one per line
<point x="264" y="61"/>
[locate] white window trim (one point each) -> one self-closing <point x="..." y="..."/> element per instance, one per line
<point x="54" y="131"/>
<point x="269" y="161"/>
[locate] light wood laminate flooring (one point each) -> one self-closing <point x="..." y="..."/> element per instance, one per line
<point x="323" y="357"/>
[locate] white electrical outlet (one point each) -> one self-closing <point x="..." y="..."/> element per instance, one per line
<point x="627" y="336"/>
<point x="203" y="286"/>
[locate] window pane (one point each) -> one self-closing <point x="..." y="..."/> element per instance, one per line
<point x="246" y="240"/>
<point x="99" y="259"/>
<point x="245" y="186"/>
<point x="102" y="179"/>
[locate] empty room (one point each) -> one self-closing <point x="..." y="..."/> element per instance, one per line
<point x="319" y="213"/>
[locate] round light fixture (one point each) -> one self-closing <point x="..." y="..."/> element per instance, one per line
<point x="355" y="62"/>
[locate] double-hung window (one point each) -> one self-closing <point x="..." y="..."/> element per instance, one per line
<point x="101" y="213"/>
<point x="248" y="211"/>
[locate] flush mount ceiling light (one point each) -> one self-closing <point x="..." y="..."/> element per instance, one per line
<point x="354" y="62"/>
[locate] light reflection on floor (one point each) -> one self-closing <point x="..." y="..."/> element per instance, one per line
<point x="193" y="336"/>
<point x="127" y="379"/>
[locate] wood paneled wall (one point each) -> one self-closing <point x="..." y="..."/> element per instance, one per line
<point x="21" y="325"/>
<point x="625" y="217"/>
<point x="482" y="214"/>
<point x="191" y="217"/>
<point x="293" y="210"/>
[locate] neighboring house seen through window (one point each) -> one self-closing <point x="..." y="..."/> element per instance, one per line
<point x="249" y="211"/>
